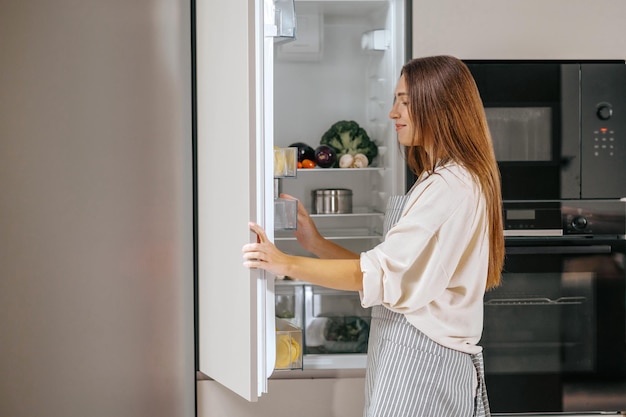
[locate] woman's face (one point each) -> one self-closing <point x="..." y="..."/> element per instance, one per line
<point x="400" y="114"/>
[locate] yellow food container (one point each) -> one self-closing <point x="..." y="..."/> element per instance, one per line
<point x="288" y="345"/>
<point x="285" y="162"/>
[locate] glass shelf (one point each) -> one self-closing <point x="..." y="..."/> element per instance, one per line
<point x="356" y="212"/>
<point x="336" y="234"/>
<point x="335" y="170"/>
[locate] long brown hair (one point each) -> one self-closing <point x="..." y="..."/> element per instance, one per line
<point x="450" y="125"/>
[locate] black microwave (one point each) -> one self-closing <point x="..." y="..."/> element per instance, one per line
<point x="558" y="127"/>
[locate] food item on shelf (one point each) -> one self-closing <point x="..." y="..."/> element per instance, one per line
<point x="304" y="151"/>
<point x="346" y="161"/>
<point x="285" y="314"/>
<point x="325" y="156"/>
<point x="347" y="137"/>
<point x="346" y="334"/>
<point x="307" y="163"/>
<point x="279" y="162"/>
<point x="360" y="161"/>
<point x="287" y="350"/>
<point x="353" y="161"/>
<point x="346" y="329"/>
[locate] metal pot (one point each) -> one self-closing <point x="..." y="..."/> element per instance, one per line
<point x="332" y="201"/>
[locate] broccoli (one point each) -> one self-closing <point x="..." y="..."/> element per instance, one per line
<point x="347" y="137"/>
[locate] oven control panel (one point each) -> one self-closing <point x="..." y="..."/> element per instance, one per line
<point x="559" y="218"/>
<point x="532" y="219"/>
<point x="594" y="218"/>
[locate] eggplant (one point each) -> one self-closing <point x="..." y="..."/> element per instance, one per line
<point x="325" y="156"/>
<point x="304" y="151"/>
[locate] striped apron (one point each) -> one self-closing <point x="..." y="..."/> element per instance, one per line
<point x="410" y="375"/>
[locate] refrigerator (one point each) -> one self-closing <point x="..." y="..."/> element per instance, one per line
<point x="96" y="213"/>
<point x="262" y="83"/>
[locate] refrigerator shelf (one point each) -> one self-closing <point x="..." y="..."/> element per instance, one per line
<point x="356" y="212"/>
<point x="317" y="170"/>
<point x="335" y="234"/>
<point x="335" y="361"/>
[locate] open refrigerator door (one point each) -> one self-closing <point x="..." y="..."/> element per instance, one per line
<point x="234" y="185"/>
<point x="343" y="65"/>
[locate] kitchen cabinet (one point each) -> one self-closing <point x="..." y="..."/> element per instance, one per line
<point x="519" y="29"/>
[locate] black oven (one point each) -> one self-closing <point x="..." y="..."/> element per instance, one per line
<point x="558" y="127"/>
<point x="554" y="334"/>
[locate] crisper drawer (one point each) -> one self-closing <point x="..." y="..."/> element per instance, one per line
<point x="335" y="322"/>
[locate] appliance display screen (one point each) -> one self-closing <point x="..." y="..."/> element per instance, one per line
<point x="520" y="214"/>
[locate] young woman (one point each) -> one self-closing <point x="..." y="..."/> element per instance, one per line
<point x="443" y="249"/>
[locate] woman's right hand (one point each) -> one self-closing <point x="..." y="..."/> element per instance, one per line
<point x="306" y="233"/>
<point x="312" y="240"/>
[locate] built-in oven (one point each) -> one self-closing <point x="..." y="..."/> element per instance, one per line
<point x="558" y="127"/>
<point x="554" y="333"/>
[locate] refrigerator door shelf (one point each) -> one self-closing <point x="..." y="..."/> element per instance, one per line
<point x="289" y="346"/>
<point x="308" y="44"/>
<point x="283" y="27"/>
<point x="285" y="162"/>
<point x="285" y="214"/>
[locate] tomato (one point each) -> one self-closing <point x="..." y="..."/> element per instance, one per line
<point x="307" y="163"/>
<point x="299" y="164"/>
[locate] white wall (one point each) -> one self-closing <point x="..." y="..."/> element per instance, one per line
<point x="520" y="29"/>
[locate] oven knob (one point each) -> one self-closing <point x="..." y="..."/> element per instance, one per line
<point x="604" y="111"/>
<point x="579" y="222"/>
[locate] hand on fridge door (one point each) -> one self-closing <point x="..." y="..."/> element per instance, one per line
<point x="340" y="274"/>
<point x="311" y="239"/>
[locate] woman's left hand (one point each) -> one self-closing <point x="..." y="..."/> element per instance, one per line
<point x="264" y="254"/>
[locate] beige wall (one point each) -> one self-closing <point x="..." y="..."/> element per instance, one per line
<point x="334" y="397"/>
<point x="96" y="230"/>
<point x="520" y="29"/>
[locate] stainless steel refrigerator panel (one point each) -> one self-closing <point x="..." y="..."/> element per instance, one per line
<point x="96" y="247"/>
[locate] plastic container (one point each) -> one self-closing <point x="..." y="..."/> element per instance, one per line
<point x="285" y="162"/>
<point x="285" y="214"/>
<point x="288" y="346"/>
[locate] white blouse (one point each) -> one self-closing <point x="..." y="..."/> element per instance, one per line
<point x="432" y="265"/>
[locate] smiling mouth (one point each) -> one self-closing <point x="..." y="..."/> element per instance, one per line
<point x="398" y="127"/>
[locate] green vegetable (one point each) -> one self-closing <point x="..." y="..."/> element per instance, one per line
<point x="347" y="137"/>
